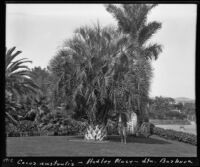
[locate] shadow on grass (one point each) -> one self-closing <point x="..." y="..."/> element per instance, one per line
<point x="130" y="139"/>
<point x="134" y="139"/>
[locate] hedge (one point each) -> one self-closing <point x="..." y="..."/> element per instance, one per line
<point x="175" y="135"/>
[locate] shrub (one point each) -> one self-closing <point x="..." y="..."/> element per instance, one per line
<point x="112" y="128"/>
<point x="176" y="114"/>
<point x="73" y="127"/>
<point x="10" y="128"/>
<point x="146" y="129"/>
<point x="176" y="135"/>
<point x="27" y="126"/>
<point x="65" y="126"/>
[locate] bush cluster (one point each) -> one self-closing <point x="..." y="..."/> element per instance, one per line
<point x="71" y="127"/>
<point x="112" y="128"/>
<point x="176" y="135"/>
<point x="27" y="126"/>
<point x="10" y="128"/>
<point x="51" y="124"/>
<point x="57" y="123"/>
<point x="145" y="130"/>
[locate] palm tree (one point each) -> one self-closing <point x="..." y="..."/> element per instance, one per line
<point x="18" y="79"/>
<point x="87" y="68"/>
<point x="61" y="71"/>
<point x="132" y="21"/>
<point x="17" y="74"/>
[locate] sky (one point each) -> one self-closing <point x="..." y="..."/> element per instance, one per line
<point x="39" y="30"/>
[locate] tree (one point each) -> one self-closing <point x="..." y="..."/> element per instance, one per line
<point x="165" y="108"/>
<point x="18" y="80"/>
<point x="43" y="79"/>
<point x="132" y="22"/>
<point x="104" y="72"/>
<point x="17" y="74"/>
<point x="87" y="69"/>
<point x="59" y="68"/>
<point x="189" y="110"/>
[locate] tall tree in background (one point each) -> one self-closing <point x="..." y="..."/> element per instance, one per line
<point x="59" y="69"/>
<point x="132" y="22"/>
<point x="43" y="79"/>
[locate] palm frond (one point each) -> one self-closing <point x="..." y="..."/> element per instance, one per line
<point x="18" y="79"/>
<point x="19" y="73"/>
<point x="123" y="21"/>
<point x="10" y="56"/>
<point x="152" y="51"/>
<point x="148" y="31"/>
<point x="14" y="65"/>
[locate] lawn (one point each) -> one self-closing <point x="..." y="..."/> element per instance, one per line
<point x="76" y="146"/>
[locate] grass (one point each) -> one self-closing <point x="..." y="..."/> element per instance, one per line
<point x="76" y="146"/>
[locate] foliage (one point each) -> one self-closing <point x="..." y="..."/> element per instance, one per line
<point x="166" y="108"/>
<point x="85" y="71"/>
<point x="27" y="126"/>
<point x="176" y="135"/>
<point x="10" y="128"/>
<point x="43" y="79"/>
<point x="11" y="108"/>
<point x="189" y="110"/>
<point x="10" y="105"/>
<point x="146" y="129"/>
<point x="24" y="110"/>
<point x="132" y="22"/>
<point x="96" y="133"/>
<point x="112" y="127"/>
<point x="175" y="114"/>
<point x="99" y="68"/>
<point x="60" y="123"/>
<point x="17" y="74"/>
<point x="101" y="73"/>
<point x="18" y="84"/>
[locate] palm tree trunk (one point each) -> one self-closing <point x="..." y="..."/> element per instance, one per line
<point x="139" y="113"/>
